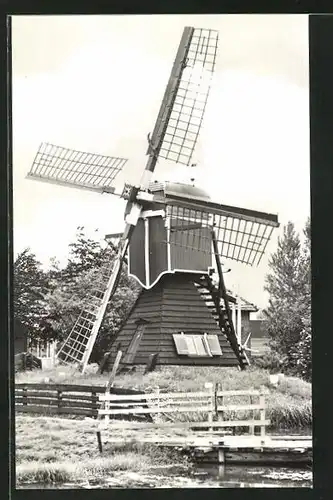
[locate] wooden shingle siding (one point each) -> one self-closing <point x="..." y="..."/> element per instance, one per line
<point x="172" y="305"/>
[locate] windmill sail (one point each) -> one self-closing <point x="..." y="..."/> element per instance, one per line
<point x="79" y="169"/>
<point x="241" y="234"/>
<point x="182" y="126"/>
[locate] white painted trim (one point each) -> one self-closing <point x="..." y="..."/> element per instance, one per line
<point x="152" y="213"/>
<point x="138" y="280"/>
<point x="147" y="269"/>
<point x="167" y="226"/>
<point x="148" y="287"/>
<point x="144" y="196"/>
<point x="188" y="271"/>
<point x="133" y="216"/>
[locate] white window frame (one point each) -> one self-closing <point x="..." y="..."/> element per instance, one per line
<point x="204" y="339"/>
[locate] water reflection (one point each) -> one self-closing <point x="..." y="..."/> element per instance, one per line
<point x="200" y="477"/>
<point x="252" y="476"/>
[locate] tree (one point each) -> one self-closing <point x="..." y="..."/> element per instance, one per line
<point x="289" y="309"/>
<point x="31" y="287"/>
<point x="301" y="352"/>
<point x="72" y="284"/>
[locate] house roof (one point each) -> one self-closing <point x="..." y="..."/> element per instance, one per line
<point x="245" y="304"/>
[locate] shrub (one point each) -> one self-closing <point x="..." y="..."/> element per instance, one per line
<point x="271" y="361"/>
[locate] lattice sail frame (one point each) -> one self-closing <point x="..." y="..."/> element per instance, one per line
<point x="74" y="348"/>
<point x="69" y="167"/>
<point x="185" y="120"/>
<point x="242" y="238"/>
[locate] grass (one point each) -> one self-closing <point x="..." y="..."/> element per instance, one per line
<point x="56" y="450"/>
<point x="289" y="403"/>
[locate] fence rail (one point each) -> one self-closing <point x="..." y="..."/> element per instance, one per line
<point x="61" y="398"/>
<point x="214" y="404"/>
<point x="217" y="408"/>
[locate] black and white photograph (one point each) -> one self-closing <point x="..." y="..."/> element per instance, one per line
<point x="161" y="251"/>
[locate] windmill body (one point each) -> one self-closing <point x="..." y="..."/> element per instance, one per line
<point x="161" y="241"/>
<point x="174" y="234"/>
<point x="180" y="316"/>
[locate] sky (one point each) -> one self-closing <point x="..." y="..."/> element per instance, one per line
<point x="95" y="83"/>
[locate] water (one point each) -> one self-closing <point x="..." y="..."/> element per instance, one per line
<point x="198" y="477"/>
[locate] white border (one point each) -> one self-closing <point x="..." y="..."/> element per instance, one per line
<point x="173" y="271"/>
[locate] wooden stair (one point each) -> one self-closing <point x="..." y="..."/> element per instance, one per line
<point x="218" y="304"/>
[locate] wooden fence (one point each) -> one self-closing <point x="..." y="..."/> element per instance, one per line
<point x="51" y="399"/>
<point x="214" y="407"/>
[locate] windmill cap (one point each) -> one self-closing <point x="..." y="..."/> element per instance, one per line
<point x="180" y="189"/>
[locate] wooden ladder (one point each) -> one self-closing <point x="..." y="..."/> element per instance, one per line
<point x="215" y="297"/>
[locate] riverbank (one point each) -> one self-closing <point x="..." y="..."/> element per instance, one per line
<point x="55" y="451"/>
<point x="59" y="450"/>
<point x="63" y="453"/>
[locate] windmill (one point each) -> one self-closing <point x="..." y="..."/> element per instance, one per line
<point x="172" y="231"/>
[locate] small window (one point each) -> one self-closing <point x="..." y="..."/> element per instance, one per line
<point x="201" y="348"/>
<point x="197" y="345"/>
<point x="214" y="345"/>
<point x="180" y="343"/>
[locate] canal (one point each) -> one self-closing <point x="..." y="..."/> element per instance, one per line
<point x="199" y="477"/>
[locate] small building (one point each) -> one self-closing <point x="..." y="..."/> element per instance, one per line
<point x="246" y="308"/>
<point x="20" y="337"/>
<point x="259" y="337"/>
<point x="42" y="349"/>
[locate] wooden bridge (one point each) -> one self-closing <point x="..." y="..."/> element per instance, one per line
<point x="207" y="425"/>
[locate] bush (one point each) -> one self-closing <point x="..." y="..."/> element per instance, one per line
<point x="271" y="361"/>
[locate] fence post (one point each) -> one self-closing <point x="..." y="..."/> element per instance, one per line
<point x="210" y="387"/>
<point x="107" y="407"/>
<point x="59" y="398"/>
<point x="251" y="427"/>
<point x="25" y="394"/>
<point x="219" y="414"/>
<point x="158" y="402"/>
<point x="215" y="399"/>
<point x="262" y="403"/>
<point x="94" y="403"/>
